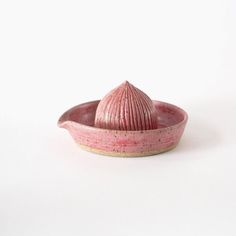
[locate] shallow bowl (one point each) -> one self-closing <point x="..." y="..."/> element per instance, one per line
<point x="79" y="121"/>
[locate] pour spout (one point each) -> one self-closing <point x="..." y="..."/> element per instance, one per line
<point x="64" y="121"/>
<point x="64" y="124"/>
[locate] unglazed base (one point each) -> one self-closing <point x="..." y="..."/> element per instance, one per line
<point x="122" y="154"/>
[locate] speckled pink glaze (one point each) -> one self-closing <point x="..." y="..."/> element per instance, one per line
<point x="126" y="108"/>
<point x="79" y="121"/>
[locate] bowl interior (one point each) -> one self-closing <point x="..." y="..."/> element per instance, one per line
<point x="168" y="114"/>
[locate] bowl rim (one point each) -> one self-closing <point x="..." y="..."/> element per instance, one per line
<point x="64" y="118"/>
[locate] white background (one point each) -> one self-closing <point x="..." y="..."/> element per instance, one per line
<point x="57" y="54"/>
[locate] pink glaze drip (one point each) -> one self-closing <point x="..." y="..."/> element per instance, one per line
<point x="126" y="108"/>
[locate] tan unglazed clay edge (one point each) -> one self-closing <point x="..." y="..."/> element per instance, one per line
<point x="122" y="154"/>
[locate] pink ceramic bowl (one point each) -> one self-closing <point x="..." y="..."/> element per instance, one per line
<point x="79" y="121"/>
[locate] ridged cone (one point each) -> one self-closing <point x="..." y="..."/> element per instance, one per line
<point x="126" y="108"/>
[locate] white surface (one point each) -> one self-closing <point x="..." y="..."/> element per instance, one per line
<point x="56" y="54"/>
